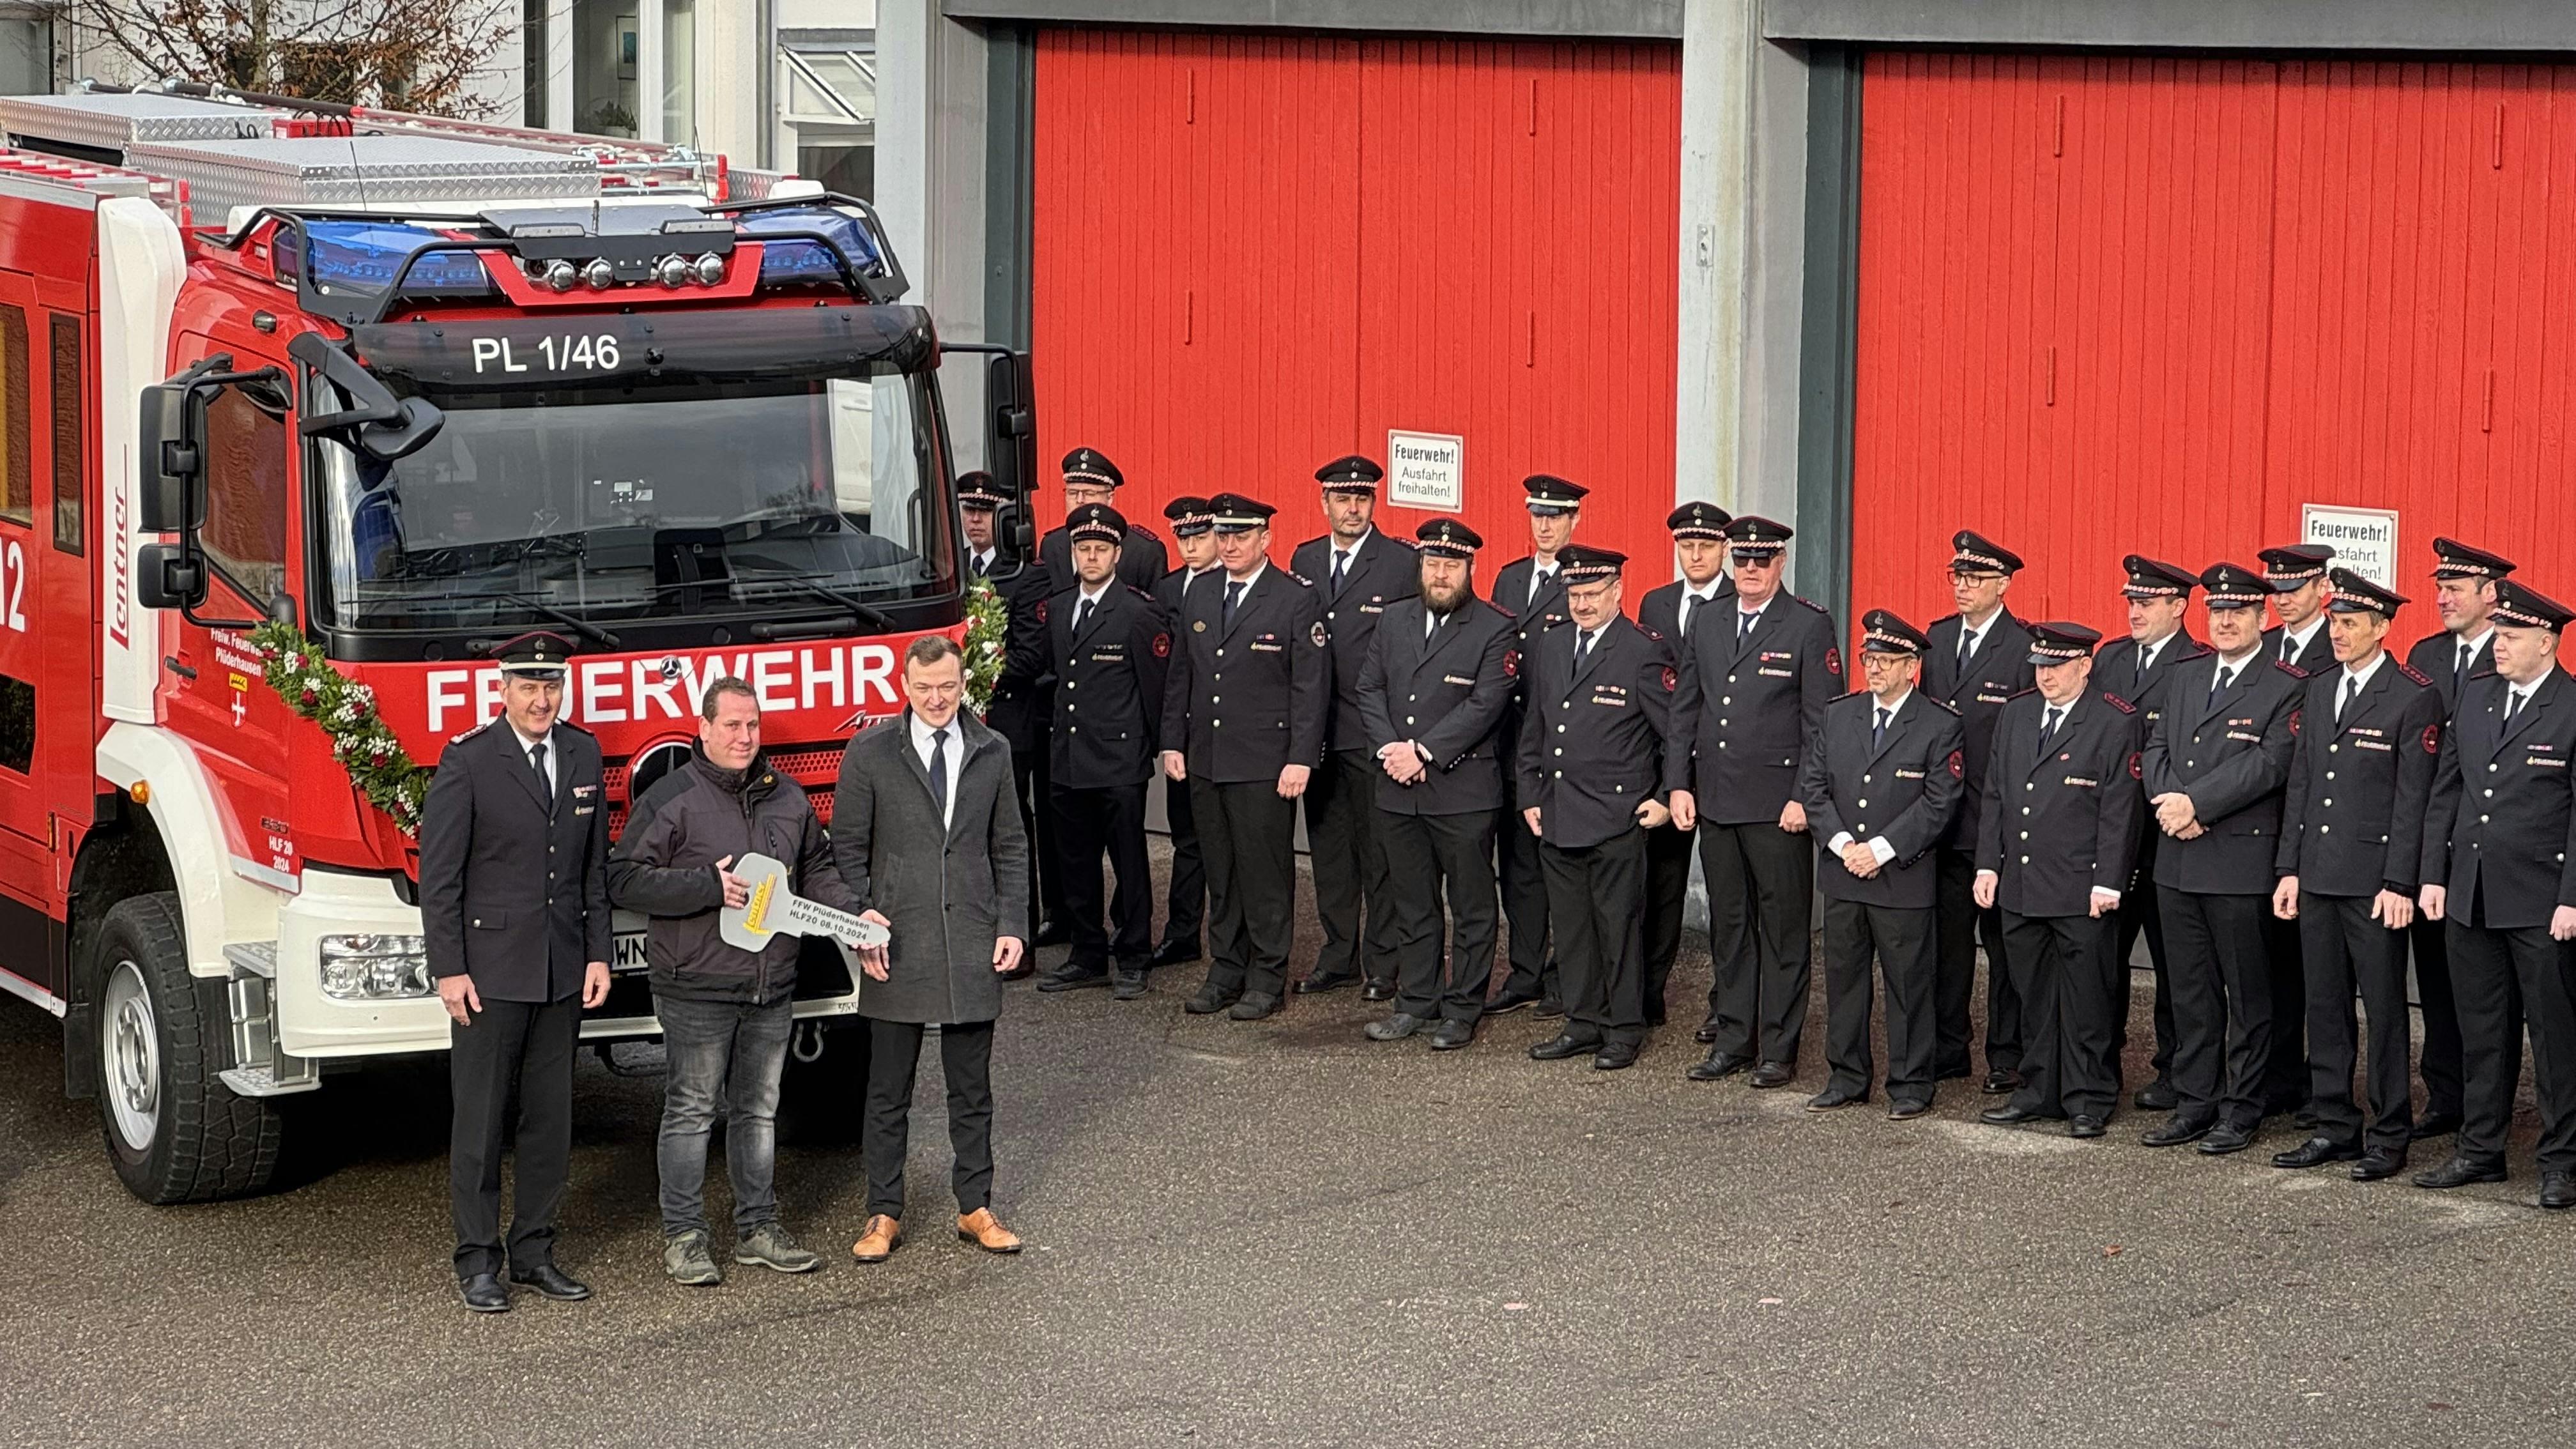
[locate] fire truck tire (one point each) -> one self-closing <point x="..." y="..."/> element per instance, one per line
<point x="174" y="1131"/>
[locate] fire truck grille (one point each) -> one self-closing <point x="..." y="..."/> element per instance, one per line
<point x="816" y="767"/>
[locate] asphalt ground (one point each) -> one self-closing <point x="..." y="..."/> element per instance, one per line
<point x="1281" y="1233"/>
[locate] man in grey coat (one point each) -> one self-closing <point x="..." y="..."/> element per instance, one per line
<point x="927" y="833"/>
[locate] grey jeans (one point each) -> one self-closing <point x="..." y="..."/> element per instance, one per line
<point x="729" y="1054"/>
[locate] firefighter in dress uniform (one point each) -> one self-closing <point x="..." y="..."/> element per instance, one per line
<point x="1111" y="651"/>
<point x="1022" y="703"/>
<point x="514" y="908"/>
<point x="1535" y="593"/>
<point x="1185" y="896"/>
<point x="1881" y="781"/>
<point x="1673" y="610"/>
<point x="1089" y="477"/>
<point x="2055" y="841"/>
<point x="1596" y="765"/>
<point x="1438" y="678"/>
<point x="2301" y="641"/>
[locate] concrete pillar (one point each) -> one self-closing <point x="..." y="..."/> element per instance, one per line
<point x="930" y="186"/>
<point x="1718" y="38"/>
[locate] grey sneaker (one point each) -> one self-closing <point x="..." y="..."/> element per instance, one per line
<point x="769" y="1246"/>
<point x="689" y="1263"/>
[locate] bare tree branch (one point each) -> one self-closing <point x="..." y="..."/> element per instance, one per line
<point x="413" y="55"/>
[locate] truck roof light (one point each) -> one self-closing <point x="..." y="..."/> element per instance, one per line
<point x="806" y="261"/>
<point x="601" y="273"/>
<point x="557" y="274"/>
<point x="363" y="256"/>
<point x="672" y="271"/>
<point x="710" y="269"/>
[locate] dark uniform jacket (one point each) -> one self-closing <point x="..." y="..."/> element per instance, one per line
<point x="2316" y="658"/>
<point x="1903" y="789"/>
<point x="1385" y="570"/>
<point x="948" y="891"/>
<point x="1245" y="702"/>
<point x="2232" y="757"/>
<point x="1999" y="670"/>
<point x="1446" y="694"/>
<point x="513" y="885"/>
<point x="1141" y="560"/>
<point x="1597" y="743"/>
<point x="1748" y="708"/>
<point x="1023" y="693"/>
<point x="2500" y="821"/>
<point x="2115" y="669"/>
<point x="2055" y="826"/>
<point x="1108" y="688"/>
<point x="1660" y="611"/>
<point x="2352" y="821"/>
<point x="665" y="867"/>
<point x="2434" y="657"/>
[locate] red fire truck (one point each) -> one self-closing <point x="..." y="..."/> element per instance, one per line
<point x="410" y="387"/>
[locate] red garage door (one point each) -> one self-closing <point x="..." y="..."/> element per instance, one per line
<point x="1255" y="253"/>
<point x="2153" y="305"/>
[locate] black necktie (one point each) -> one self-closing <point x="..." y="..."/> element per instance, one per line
<point x="2218" y="682"/>
<point x="2513" y="701"/>
<point x="2351" y="687"/>
<point x="1583" y="653"/>
<point x="979" y="566"/>
<point x="1538" y="582"/>
<point x="2289" y="650"/>
<point x="1878" y="730"/>
<point x="537" y="762"/>
<point x="2139" y="682"/>
<point x="1967" y="646"/>
<point x="1341" y="569"/>
<point x="1081" y="615"/>
<point x="1744" y="623"/>
<point x="939" y="771"/>
<point x="2048" y="729"/>
<point x="1690" y="611"/>
<point x="2460" y="667"/>
<point x="1430" y="625"/>
<point x="1233" y="596"/>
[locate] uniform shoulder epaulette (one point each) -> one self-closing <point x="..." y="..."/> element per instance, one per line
<point x="2018" y="693"/>
<point x="2292" y="670"/>
<point x="1499" y="609"/>
<point x="461" y="736"/>
<point x="1323" y="538"/>
<point x="1810" y="603"/>
<point x="1137" y="528"/>
<point x="2116" y="702"/>
<point x="1140" y="593"/>
<point x="2199" y="650"/>
<point x="1940" y="704"/>
<point x="1408" y="543"/>
<point x="1848" y="694"/>
<point x="562" y="723"/>
<point x="1300" y="580"/>
<point x="2413" y="673"/>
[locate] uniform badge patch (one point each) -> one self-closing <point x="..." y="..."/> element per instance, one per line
<point x="2134" y="771"/>
<point x="1042" y="618"/>
<point x="1511" y="663"/>
<point x="1317" y="634"/>
<point x="2432" y="739"/>
<point x="2294" y="722"/>
<point x="1670" y="679"/>
<point x="1833" y="660"/>
<point x="1199" y="627"/>
<point x="1958" y="765"/>
<point x="1162" y="646"/>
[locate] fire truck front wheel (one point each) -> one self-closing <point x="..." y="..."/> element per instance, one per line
<point x="174" y="1131"/>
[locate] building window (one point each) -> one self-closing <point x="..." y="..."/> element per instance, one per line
<point x="533" y="79"/>
<point x="64" y="351"/>
<point x="26" y="49"/>
<point x="827" y="88"/>
<point x="606" y="48"/>
<point x="679" y="72"/>
<point x="18" y="486"/>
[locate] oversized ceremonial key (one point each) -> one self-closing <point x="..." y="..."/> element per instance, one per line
<point x="773" y="909"/>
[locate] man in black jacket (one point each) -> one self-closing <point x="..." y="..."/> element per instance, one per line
<point x="1360" y="571"/>
<point x="1111" y="650"/>
<point x="514" y="911"/>
<point x="1596" y="766"/>
<point x="2500" y="868"/>
<point x="2352" y="830"/>
<point x="2054" y="842"/>
<point x="1022" y="704"/>
<point x="1089" y="477"/>
<point x="1751" y="698"/>
<point x="2137" y="669"/>
<point x="2454" y="657"/>
<point x="2300" y="593"/>
<point x="1979" y="658"/>
<point x="1432" y="693"/>
<point x="1880" y="782"/>
<point x="1531" y="588"/>
<point x="726" y="1013"/>
<point x="2214" y="769"/>
<point x="1669" y="612"/>
<point x="1185" y="894"/>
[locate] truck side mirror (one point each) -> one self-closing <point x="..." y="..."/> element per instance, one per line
<point x="1011" y="423"/>
<point x="168" y="576"/>
<point x="174" y="463"/>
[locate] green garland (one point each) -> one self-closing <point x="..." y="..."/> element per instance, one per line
<point x="987" y="630"/>
<point x="378" y="765"/>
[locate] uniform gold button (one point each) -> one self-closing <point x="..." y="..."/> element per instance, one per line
<point x="2025" y="860"/>
<point x="1069" y="684"/>
<point x="2325" y="830"/>
<point x="1408" y="719"/>
<point x="1216" y="699"/>
<point x="1864" y="804"/>
<point x="2329" y="774"/>
<point x="1864" y="779"/>
<point x="1730" y="679"/>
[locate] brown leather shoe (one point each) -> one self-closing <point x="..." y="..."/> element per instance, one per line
<point x="878" y="1241"/>
<point x="985" y="1231"/>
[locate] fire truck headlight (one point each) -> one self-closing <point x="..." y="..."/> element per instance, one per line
<point x="375" y="967"/>
<point x="558" y="275"/>
<point x="710" y="269"/>
<point x="601" y="274"/>
<point x="672" y="271"/>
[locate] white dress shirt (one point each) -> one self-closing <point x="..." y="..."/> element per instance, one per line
<point x="956" y="753"/>
<point x="548" y="740"/>
<point x="1878" y="845"/>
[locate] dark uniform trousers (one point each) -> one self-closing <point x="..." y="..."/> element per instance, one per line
<point x="2142" y="915"/>
<point x="1523" y="881"/>
<point x="1089" y="823"/>
<point x="2439" y="1061"/>
<point x="1431" y="858"/>
<point x="1594" y="896"/>
<point x="1249" y="836"/>
<point x="2346" y="950"/>
<point x="1906" y="948"/>
<point x="1961" y="924"/>
<point x="2505" y="979"/>
<point x="2073" y="992"/>
<point x="510" y="1045"/>
<point x="1349" y="866"/>
<point x="1185" y="895"/>
<point x="966" y="1059"/>
<point x="2221" y="980"/>
<point x="1668" y="865"/>
<point x="1761" y="879"/>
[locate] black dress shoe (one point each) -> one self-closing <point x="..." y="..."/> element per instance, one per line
<point x="1951" y="1074"/>
<point x="2157" y="1097"/>
<point x="1997" y="1083"/>
<point x="1127" y="984"/>
<point x="1654" y="1016"/>
<point x="2379" y="1162"/>
<point x="2460" y="1172"/>
<point x="2008" y="1114"/>
<point x="1615" y="1056"/>
<point x="1506" y="1002"/>
<point x="1450" y="1035"/>
<point x="1052" y="933"/>
<point x="1548" y="1008"/>
<point x="2225" y="1138"/>
<point x="1210" y="1000"/>
<point x="1252" y="1006"/>
<point x="2179" y="1130"/>
<point x="1174" y="953"/>
<point x="1073" y="979"/>
<point x="2304" y="1120"/>
<point x="1907" y="1109"/>
<point x="1774" y="1074"/>
<point x="2080" y="1125"/>
<point x="1394" y="1028"/>
<point x="484" y="1294"/>
<point x="1834" y="1099"/>
<point x="2557" y="1191"/>
<point x="1378" y="991"/>
<point x="552" y="1281"/>
<point x="1557" y="1048"/>
<point x="2436" y="1124"/>
<point x="1718" y="1065"/>
<point x="1705" y="1033"/>
<point x="2316" y="1152"/>
<point x="1314" y="985"/>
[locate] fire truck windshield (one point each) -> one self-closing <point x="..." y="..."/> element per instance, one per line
<point x="644" y="503"/>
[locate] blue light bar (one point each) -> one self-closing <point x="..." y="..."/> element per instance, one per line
<point x="362" y="256"/>
<point x="807" y="261"/>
